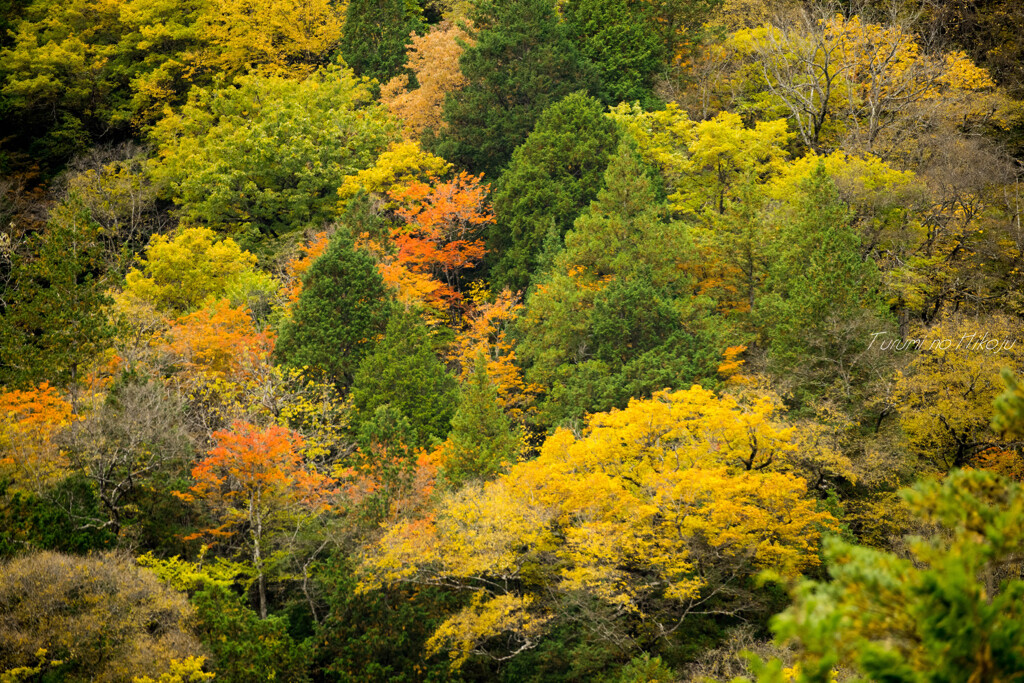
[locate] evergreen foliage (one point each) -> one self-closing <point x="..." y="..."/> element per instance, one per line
<point x="520" y="62"/>
<point x="552" y="177"/>
<point x="403" y="371"/>
<point x="343" y="306"/>
<point x="376" y="35"/>
<point x="482" y="440"/>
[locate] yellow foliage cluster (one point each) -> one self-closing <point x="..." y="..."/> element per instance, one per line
<point x="642" y="504"/>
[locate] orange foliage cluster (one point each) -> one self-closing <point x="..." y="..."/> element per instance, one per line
<point x="29" y="419"/>
<point x="220" y="341"/>
<point x="253" y="473"/>
<point x="486" y="333"/>
<point x="439" y="239"/>
<point x="434" y="58"/>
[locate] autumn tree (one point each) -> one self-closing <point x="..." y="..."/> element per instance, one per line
<point x="30" y="421"/>
<point x="376" y="33"/>
<point x="282" y="36"/>
<point x="945" y="394"/>
<point x="342" y="307"/>
<point x="273" y="149"/>
<point x="864" y="86"/>
<point x="258" y="487"/>
<point x="403" y="371"/>
<point x="647" y="512"/>
<point x="520" y="62"/>
<point x="402" y="164"/>
<point x="487" y="332"/>
<point x="442" y="235"/>
<point x="97" y="618"/>
<point x="434" y="61"/>
<point x="552" y="177"/>
<point x="180" y="273"/>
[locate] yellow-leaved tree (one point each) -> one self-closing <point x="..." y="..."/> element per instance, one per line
<point x="656" y="512"/>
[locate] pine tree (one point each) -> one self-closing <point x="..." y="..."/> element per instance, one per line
<point x="404" y="371"/>
<point x="616" y="317"/>
<point x="623" y="44"/>
<point x="376" y="35"/>
<point x="344" y="304"/>
<point x="520" y="63"/>
<point x="482" y="439"/>
<point x="553" y="176"/>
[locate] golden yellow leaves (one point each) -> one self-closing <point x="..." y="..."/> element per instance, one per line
<point x="623" y="512"/>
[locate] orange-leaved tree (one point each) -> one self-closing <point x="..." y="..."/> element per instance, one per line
<point x="29" y="419"/>
<point x="257" y="485"/>
<point x="439" y="238"/>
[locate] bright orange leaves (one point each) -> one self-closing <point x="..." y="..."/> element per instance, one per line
<point x="220" y="341"/>
<point x="438" y="239"/>
<point x="29" y="420"/>
<point x="443" y="222"/>
<point x="252" y="472"/>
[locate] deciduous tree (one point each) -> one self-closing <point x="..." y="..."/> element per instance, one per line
<point x="260" y="490"/>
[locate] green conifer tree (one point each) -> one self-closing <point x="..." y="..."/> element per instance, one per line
<point x="376" y="35"/>
<point x="553" y="176"/>
<point x="616" y="317"/>
<point x="54" y="321"/>
<point x="482" y="439"/>
<point x="343" y="306"/>
<point x="823" y="298"/>
<point x="404" y="371"/>
<point x="519" y="63"/>
<point x="623" y="44"/>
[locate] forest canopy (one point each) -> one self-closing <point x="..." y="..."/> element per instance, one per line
<point x="625" y="341"/>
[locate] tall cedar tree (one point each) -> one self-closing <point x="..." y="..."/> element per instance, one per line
<point x="343" y="306"/>
<point x="54" y="322"/>
<point x="622" y="42"/>
<point x="819" y="282"/>
<point x="521" y="62"/>
<point x="482" y="439"/>
<point x="553" y="176"/>
<point x="376" y="35"/>
<point x="404" y="371"/>
<point x="616" y="317"/>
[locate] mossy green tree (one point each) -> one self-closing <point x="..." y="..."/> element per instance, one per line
<point x="344" y="305"/>
<point x="268" y="153"/>
<point x="53" y="322"/>
<point x="482" y="439"/>
<point x="552" y="178"/>
<point x="520" y="62"/>
<point x="376" y="35"/>
<point x="948" y="609"/>
<point x="403" y="370"/>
